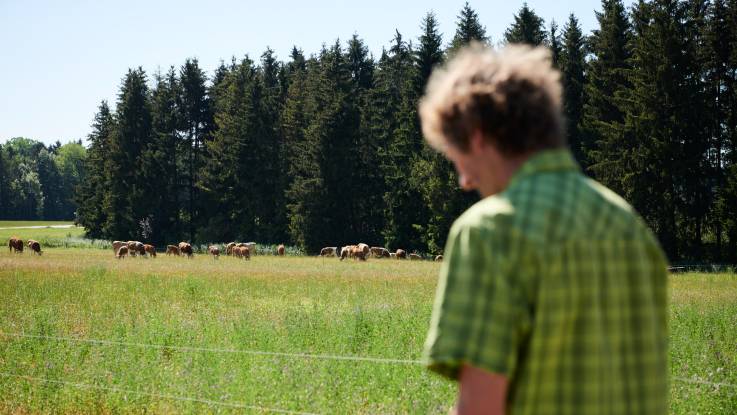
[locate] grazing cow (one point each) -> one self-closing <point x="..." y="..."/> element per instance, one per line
<point x="358" y="252"/>
<point x="414" y="257"/>
<point x="365" y="249"/>
<point x="392" y="255"/>
<point x="16" y="244"/>
<point x="401" y="254"/>
<point x="439" y="258"/>
<point x="35" y="246"/>
<point x="328" y="251"/>
<point x="229" y="248"/>
<point x="135" y="247"/>
<point x="172" y="250"/>
<point x="214" y="251"/>
<point x="242" y="252"/>
<point x="280" y="250"/>
<point x="347" y="251"/>
<point x="150" y="250"/>
<point x="116" y="246"/>
<point x="379" y="252"/>
<point x="122" y="252"/>
<point x="186" y="249"/>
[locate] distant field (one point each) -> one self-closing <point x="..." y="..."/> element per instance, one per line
<point x="24" y="230"/>
<point x="17" y="223"/>
<point x="293" y="305"/>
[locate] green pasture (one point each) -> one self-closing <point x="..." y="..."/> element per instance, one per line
<point x="303" y="305"/>
<point x="46" y="235"/>
<point x="22" y="223"/>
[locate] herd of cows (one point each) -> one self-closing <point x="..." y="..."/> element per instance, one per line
<point x="242" y="250"/>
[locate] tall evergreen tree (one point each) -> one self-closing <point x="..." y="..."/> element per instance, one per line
<point x="572" y="69"/>
<point x="666" y="177"/>
<point x="606" y="88"/>
<point x="229" y="172"/>
<point x="527" y="28"/>
<point x="468" y="29"/>
<point x="125" y="200"/>
<point x="429" y="53"/>
<point x="554" y="43"/>
<point x="268" y="190"/>
<point x="197" y="125"/>
<point x="91" y="213"/>
<point x="159" y="162"/>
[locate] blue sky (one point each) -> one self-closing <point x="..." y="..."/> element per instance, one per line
<point x="58" y="59"/>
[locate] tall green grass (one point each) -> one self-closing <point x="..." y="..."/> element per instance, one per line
<point x="378" y="308"/>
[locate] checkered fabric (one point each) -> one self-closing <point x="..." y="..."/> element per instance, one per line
<point x="557" y="284"/>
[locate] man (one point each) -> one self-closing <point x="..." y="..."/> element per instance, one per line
<point x="552" y="295"/>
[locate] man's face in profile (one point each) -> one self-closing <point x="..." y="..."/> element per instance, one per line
<point x="475" y="166"/>
<point x="464" y="165"/>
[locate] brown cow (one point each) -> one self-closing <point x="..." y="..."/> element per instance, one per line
<point x="172" y="250"/>
<point x="347" y="252"/>
<point x="186" y="249"/>
<point x="358" y="252"/>
<point x="401" y="254"/>
<point x="439" y="258"/>
<point x="116" y="246"/>
<point x="280" y="250"/>
<point x="328" y="251"/>
<point x="16" y="244"/>
<point x="35" y="246"/>
<point x="365" y="249"/>
<point x="214" y="251"/>
<point x="242" y="252"/>
<point x="136" y="248"/>
<point x="150" y="250"/>
<point x="122" y="252"/>
<point x="414" y="257"/>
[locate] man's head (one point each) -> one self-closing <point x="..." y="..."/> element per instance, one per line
<point x="487" y="109"/>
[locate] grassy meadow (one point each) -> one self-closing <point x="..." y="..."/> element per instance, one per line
<point x="380" y="308"/>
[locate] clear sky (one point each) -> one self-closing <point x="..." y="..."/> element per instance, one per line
<point x="58" y="59"/>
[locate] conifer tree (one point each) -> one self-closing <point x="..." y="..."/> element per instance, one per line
<point x="429" y="53"/>
<point x="90" y="213"/>
<point x="468" y="29"/>
<point x="527" y="28"/>
<point x="230" y="169"/>
<point x="554" y="43"/>
<point x="572" y="70"/>
<point x="124" y="201"/>
<point x="606" y="90"/>
<point x="160" y="161"/>
<point x="197" y="125"/>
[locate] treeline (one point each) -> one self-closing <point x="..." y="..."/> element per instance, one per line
<point x="326" y="149"/>
<point x="37" y="182"/>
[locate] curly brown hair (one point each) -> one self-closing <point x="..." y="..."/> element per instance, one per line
<point x="512" y="96"/>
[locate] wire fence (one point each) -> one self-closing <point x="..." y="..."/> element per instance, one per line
<point x="376" y="360"/>
<point x="238" y="405"/>
<point x="219" y="350"/>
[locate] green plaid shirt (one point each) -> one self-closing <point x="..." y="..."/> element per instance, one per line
<point x="557" y="284"/>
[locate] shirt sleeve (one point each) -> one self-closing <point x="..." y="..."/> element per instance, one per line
<point x="480" y="314"/>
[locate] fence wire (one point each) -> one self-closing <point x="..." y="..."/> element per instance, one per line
<point x="238" y="405"/>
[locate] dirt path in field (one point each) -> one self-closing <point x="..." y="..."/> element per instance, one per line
<point x="40" y="227"/>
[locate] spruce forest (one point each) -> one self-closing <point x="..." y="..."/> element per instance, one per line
<point x="325" y="149"/>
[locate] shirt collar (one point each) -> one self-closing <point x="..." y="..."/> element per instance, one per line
<point x="556" y="160"/>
